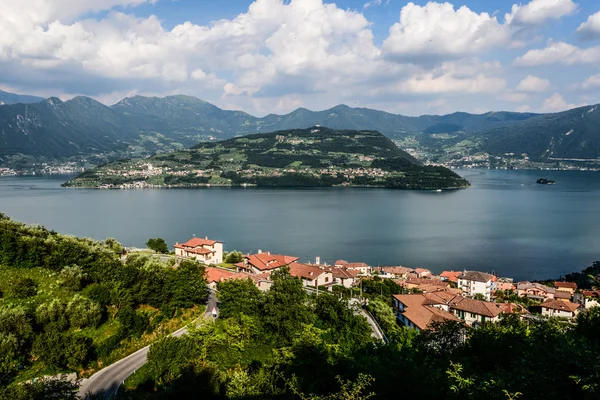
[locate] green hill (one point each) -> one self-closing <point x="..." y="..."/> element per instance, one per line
<point x="314" y="157"/>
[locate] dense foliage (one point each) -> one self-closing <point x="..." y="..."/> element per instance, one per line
<point x="285" y="344"/>
<point x="70" y="302"/>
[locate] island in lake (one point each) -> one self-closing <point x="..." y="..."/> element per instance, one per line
<point x="313" y="157"/>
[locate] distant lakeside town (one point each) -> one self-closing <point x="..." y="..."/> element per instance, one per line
<point x="423" y="297"/>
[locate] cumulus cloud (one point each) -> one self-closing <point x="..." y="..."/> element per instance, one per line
<point x="556" y="103"/>
<point x="437" y="30"/>
<point x="590" y="29"/>
<point x="537" y="12"/>
<point x="533" y="84"/>
<point x="276" y="55"/>
<point x="560" y="53"/>
<point x="591" y="82"/>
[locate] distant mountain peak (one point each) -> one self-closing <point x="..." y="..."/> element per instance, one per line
<point x="12" y="98"/>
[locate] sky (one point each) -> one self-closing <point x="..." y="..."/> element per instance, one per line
<point x="273" y="56"/>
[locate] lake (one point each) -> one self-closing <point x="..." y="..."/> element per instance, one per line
<point x="504" y="223"/>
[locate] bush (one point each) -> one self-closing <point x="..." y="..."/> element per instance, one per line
<point x="82" y="312"/>
<point x="234" y="257"/>
<point x="71" y="278"/>
<point x="23" y="288"/>
<point x="99" y="293"/>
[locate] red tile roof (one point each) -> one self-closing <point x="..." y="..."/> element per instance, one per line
<point x="421" y="270"/>
<point x="196" y="242"/>
<point x="399" y="270"/>
<point x="452" y="276"/>
<point x="305" y="271"/>
<point x="560" y="305"/>
<point x="513" y="308"/>
<point x="567" y="285"/>
<point x="473" y="306"/>
<point x="201" y="250"/>
<point x="267" y="261"/>
<point x="342" y="272"/>
<point x="419" y="311"/>
<point x="217" y="274"/>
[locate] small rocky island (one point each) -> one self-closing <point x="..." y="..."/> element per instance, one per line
<point x="543" y="181"/>
<point x="313" y="157"/>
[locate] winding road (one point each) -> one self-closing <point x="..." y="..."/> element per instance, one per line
<point x="109" y="379"/>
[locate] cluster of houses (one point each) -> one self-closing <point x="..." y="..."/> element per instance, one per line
<point x="467" y="296"/>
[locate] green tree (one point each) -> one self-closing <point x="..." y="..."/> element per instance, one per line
<point x="239" y="296"/>
<point x="479" y="296"/>
<point x="234" y="257"/>
<point x="285" y="306"/>
<point x="158" y="245"/>
<point x="187" y="284"/>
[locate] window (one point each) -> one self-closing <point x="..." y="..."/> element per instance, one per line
<point x="473" y="315"/>
<point x="326" y="279"/>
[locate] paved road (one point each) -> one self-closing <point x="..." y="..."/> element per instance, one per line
<point x="377" y="333"/>
<point x="110" y="378"/>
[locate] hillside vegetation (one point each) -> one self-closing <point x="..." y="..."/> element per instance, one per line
<point x="70" y="304"/>
<point x="294" y="158"/>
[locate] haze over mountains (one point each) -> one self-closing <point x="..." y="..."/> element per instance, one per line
<point x="80" y="126"/>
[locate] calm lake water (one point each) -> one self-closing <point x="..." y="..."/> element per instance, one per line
<point x="504" y="223"/>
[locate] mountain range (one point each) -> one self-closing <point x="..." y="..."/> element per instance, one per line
<point x="12" y="98"/>
<point x="54" y="128"/>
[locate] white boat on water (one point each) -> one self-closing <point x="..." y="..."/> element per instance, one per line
<point x="439" y="190"/>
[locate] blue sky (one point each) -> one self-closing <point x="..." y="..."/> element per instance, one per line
<point x="263" y="56"/>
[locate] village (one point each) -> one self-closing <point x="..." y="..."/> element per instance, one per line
<point x="473" y="297"/>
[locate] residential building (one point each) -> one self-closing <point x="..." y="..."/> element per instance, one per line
<point x="204" y="250"/>
<point x="591" y="298"/>
<point x="419" y="311"/>
<point x="360" y="266"/>
<point x="513" y="308"/>
<point x="450" y="276"/>
<point x="422" y="272"/>
<point x="475" y="282"/>
<point x="564" y="296"/>
<point x="311" y="275"/>
<point x="504" y="284"/>
<point x="397" y="272"/>
<point x="473" y="311"/>
<point x="263" y="262"/>
<point x="569" y="287"/>
<point x="535" y="291"/>
<point x="559" y="308"/>
<point x="215" y="275"/>
<point x="422" y="284"/>
<point x="343" y="276"/>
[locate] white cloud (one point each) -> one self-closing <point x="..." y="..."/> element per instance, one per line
<point x="560" y="53"/>
<point x="278" y="55"/>
<point x="437" y="30"/>
<point x="537" y="12"/>
<point x="591" y="82"/>
<point x="556" y="103"/>
<point x="374" y="3"/>
<point x="32" y="12"/>
<point x="590" y="29"/>
<point x="533" y="84"/>
<point x="453" y="77"/>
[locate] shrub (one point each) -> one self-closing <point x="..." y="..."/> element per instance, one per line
<point x="83" y="312"/>
<point x="24" y="287"/>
